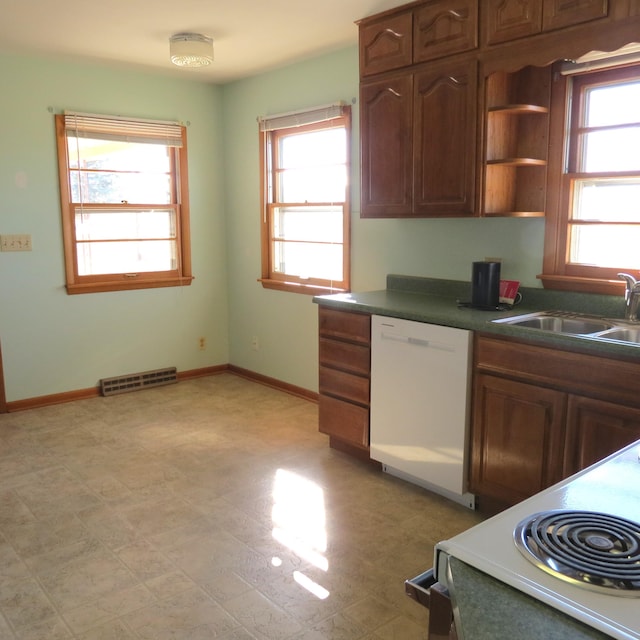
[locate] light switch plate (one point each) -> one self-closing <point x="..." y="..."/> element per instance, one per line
<point x="15" y="242"/>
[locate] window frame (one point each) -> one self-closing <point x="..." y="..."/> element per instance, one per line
<point x="567" y="109"/>
<point x="269" y="168"/>
<point x="76" y="283"/>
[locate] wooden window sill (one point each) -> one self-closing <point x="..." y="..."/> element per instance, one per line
<point x="295" y="287"/>
<point x="99" y="287"/>
<point x="581" y="284"/>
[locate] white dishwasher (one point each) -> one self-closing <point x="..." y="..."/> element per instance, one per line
<point x="420" y="382"/>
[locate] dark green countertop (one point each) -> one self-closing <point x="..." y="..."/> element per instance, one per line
<point x="487" y="609"/>
<point x="435" y="301"/>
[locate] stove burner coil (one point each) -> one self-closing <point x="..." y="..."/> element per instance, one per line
<point x="592" y="550"/>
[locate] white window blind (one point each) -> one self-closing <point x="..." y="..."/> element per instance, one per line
<point x="595" y="60"/>
<point x="119" y="128"/>
<point x="301" y="118"/>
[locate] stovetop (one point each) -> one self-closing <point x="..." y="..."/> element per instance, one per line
<point x="609" y="489"/>
<point x="596" y="551"/>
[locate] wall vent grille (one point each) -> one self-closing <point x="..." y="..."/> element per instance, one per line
<point x="137" y="381"/>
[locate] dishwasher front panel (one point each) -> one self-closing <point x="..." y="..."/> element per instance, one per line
<point x="420" y="383"/>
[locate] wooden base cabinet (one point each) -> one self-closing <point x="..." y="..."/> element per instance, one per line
<point x="345" y="364"/>
<point x="518" y="433"/>
<point x="596" y="429"/>
<point x="543" y="414"/>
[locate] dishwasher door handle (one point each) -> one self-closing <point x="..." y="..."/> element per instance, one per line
<point x="418" y="342"/>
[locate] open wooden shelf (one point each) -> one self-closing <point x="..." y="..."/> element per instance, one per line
<point x="519" y="162"/>
<point x="518" y="109"/>
<point x="516" y="142"/>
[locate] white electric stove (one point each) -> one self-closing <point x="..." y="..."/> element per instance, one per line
<point x="574" y="546"/>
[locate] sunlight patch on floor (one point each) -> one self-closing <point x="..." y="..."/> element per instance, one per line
<point x="299" y="524"/>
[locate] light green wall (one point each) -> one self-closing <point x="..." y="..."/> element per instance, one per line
<point x="53" y="342"/>
<point x="286" y="323"/>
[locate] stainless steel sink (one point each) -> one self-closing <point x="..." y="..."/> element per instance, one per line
<point x="624" y="334"/>
<point x="560" y="322"/>
<point x="578" y="325"/>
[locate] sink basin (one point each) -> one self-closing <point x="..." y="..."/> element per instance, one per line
<point x="625" y="334"/>
<point x="560" y="322"/>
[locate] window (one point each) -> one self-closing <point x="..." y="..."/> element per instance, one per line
<point x="124" y="200"/>
<point x="593" y="233"/>
<point x="305" y="204"/>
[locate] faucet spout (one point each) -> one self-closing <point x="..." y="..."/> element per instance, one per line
<point x="631" y="296"/>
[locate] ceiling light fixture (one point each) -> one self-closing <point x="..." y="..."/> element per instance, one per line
<point x="191" y="49"/>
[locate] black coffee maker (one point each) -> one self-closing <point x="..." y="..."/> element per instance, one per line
<point x="485" y="285"/>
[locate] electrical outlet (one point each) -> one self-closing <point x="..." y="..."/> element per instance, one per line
<point x="202" y="343"/>
<point x="15" y="242"/>
<point x="255" y="344"/>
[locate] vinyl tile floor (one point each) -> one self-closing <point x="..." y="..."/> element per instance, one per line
<point x="211" y="508"/>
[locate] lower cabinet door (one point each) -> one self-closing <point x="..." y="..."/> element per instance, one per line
<point x="343" y="420"/>
<point x="596" y="429"/>
<point x="517" y="438"/>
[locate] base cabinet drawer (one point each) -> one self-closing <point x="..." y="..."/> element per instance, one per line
<point x="344" y="420"/>
<point x="344" y="385"/>
<point x="344" y="352"/>
<point x="354" y="358"/>
<point x="344" y="325"/>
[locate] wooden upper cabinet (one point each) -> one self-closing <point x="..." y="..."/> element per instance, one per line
<point x="444" y="139"/>
<point x="386" y="43"/>
<point x="557" y="14"/>
<point x="444" y="27"/>
<point x="418" y="142"/>
<point x="386" y="147"/>
<point x="511" y="19"/>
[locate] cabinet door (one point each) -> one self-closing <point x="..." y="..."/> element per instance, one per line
<point x="557" y="14"/>
<point x="506" y="20"/>
<point x="443" y="27"/>
<point x="386" y="44"/>
<point x="517" y="438"/>
<point x="445" y="139"/>
<point x="386" y="115"/>
<point x="596" y="429"/>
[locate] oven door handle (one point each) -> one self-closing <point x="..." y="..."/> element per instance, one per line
<point x="430" y="593"/>
<point x="419" y="588"/>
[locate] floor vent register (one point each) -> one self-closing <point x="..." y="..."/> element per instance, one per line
<point x="137" y="381"/>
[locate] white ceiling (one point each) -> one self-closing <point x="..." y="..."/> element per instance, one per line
<point x="250" y="36"/>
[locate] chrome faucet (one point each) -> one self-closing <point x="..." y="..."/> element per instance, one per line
<point x="631" y="297"/>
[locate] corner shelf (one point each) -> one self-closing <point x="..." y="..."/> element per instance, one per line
<point x="516" y="142"/>
<point x="519" y="162"/>
<point x="518" y="109"/>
